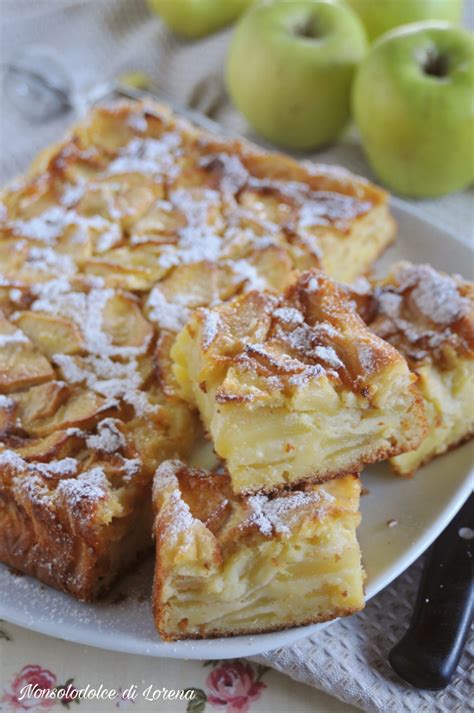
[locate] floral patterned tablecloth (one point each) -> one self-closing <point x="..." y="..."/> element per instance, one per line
<point x="90" y="680"/>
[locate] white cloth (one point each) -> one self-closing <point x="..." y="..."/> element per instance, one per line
<point x="97" y="39"/>
<point x="349" y="658"/>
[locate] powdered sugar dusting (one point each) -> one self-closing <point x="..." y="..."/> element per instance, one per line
<point x="171" y="316"/>
<point x="309" y="343"/>
<point x="85" y="309"/>
<point x="367" y="358"/>
<point x="46" y="227"/>
<point x="130" y="467"/>
<point x="289" y="315"/>
<point x="137" y="122"/>
<point x="50" y="226"/>
<point x="199" y="240"/>
<point x="435" y="295"/>
<point x="277" y="514"/>
<point x="249" y="273"/>
<point x="329" y="356"/>
<point x="109" y="438"/>
<point x="45" y="259"/>
<point x="210" y="327"/>
<point x="180" y="527"/>
<point x="165" y="475"/>
<point x="99" y="369"/>
<point x="149" y="156"/>
<point x="91" y="485"/>
<point x="12" y="460"/>
<point x="417" y="310"/>
<point x="310" y="373"/>
<point x="233" y="174"/>
<point x="15" y="337"/>
<point x="61" y="468"/>
<point x="258" y="516"/>
<point x="113" y="379"/>
<point x="324" y="209"/>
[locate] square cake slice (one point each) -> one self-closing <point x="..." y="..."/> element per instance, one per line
<point x="429" y="317"/>
<point x="229" y="564"/>
<point x="295" y="387"/>
<point x="75" y="521"/>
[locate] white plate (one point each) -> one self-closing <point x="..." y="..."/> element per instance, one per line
<point x="422" y="507"/>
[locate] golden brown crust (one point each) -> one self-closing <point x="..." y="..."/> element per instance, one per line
<point x="312" y="325"/>
<point x="69" y="522"/>
<point x="221" y="633"/>
<point x="210" y="499"/>
<point x="35" y="542"/>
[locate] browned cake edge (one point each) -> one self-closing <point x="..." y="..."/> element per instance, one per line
<point x="33" y="541"/>
<point x="217" y="634"/>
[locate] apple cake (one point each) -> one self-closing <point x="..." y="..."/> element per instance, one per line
<point x="111" y="240"/>
<point x="107" y="244"/>
<point x="229" y="564"/>
<point x="295" y="387"/>
<point x="429" y="317"/>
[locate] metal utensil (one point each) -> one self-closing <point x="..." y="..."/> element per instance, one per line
<point x="39" y="86"/>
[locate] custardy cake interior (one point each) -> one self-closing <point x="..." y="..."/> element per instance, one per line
<point x="228" y="564"/>
<point x="429" y="317"/>
<point x="295" y="387"/>
<point x="107" y="245"/>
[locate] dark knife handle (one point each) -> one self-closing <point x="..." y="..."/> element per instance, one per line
<point x="428" y="654"/>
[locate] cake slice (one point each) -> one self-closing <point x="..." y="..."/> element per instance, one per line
<point x="75" y="484"/>
<point x="83" y="427"/>
<point x="229" y="564"/>
<point x="295" y="387"/>
<point x="73" y="518"/>
<point x="429" y="317"/>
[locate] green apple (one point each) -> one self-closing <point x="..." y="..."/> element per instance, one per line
<point x="380" y="16"/>
<point x="290" y="69"/>
<point x="413" y="103"/>
<point x="196" y="18"/>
